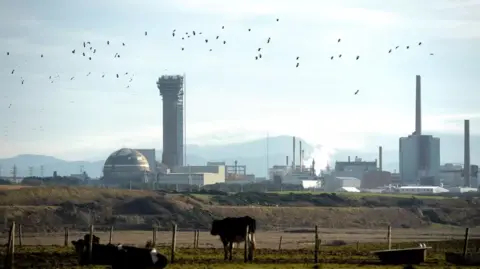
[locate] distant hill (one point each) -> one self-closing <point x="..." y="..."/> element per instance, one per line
<point x="251" y="153"/>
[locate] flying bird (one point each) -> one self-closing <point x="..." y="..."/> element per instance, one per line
<point x="145" y="33"/>
<point x="73" y="51"/>
<point x="268" y="41"/>
<point x="224" y="42"/>
<point x="338" y="41"/>
<point x="331" y="58"/>
<point x="340" y="56"/>
<point x="419" y="43"/>
<point x="408" y="47"/>
<point x="8" y="53"/>
<point x="297" y="64"/>
<point x="259" y="49"/>
<point x="13" y="71"/>
<point x="108" y="42"/>
<point x="298" y="57"/>
<point x="390" y="51"/>
<point x="357" y="92"/>
<point x="278" y="19"/>
<point x="357" y="57"/>
<point x="117" y="75"/>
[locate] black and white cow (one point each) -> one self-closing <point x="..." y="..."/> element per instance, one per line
<point x="118" y="256"/>
<point x="232" y="230"/>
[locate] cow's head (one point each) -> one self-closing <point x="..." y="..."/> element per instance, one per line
<point x="216" y="227"/>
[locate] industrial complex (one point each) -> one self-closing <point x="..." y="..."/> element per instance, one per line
<point x="420" y="169"/>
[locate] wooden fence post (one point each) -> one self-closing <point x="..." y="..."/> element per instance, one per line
<point x="110" y="235"/>
<point x="194" y="239"/>
<point x="174" y="243"/>
<point x="90" y="245"/>
<point x="198" y="238"/>
<point x="465" y="243"/>
<point x="65" y="242"/>
<point x="280" y="244"/>
<point x="245" y="249"/>
<point x="389" y="237"/>
<point x="316" y="245"/>
<point x="9" y="259"/>
<point x="154" y="236"/>
<point x="20" y="235"/>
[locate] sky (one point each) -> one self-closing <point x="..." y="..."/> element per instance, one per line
<point x="232" y="97"/>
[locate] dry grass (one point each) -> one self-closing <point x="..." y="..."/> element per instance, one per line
<point x="13" y="187"/>
<point x="54" y="195"/>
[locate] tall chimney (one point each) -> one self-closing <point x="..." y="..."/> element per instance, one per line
<point x="466" y="157"/>
<point x="348" y="158"/>
<point x="293" y="157"/>
<point x="380" y="159"/>
<point x="286" y="158"/>
<point x="418" y="106"/>
<point x="300" y="155"/>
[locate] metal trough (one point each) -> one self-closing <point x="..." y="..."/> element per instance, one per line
<point x="402" y="256"/>
<point x="472" y="259"/>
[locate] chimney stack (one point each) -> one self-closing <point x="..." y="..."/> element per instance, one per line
<point x="348" y="158"/>
<point x="418" y="106"/>
<point x="466" y="157"/>
<point x="286" y="158"/>
<point x="293" y="157"/>
<point x="380" y="159"/>
<point x="300" y="155"/>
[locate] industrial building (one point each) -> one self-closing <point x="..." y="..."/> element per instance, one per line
<point x="376" y="179"/>
<point x="333" y="183"/>
<point x="421" y="189"/>
<point x="172" y="90"/>
<point x="356" y="168"/>
<point x="126" y="165"/>
<point x="419" y="155"/>
<point x="184" y="177"/>
<point x="294" y="174"/>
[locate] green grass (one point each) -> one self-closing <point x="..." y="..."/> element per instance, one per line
<point x="368" y="194"/>
<point x="347" y="256"/>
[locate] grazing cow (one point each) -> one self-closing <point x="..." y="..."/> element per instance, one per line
<point x="119" y="257"/>
<point x="232" y="230"/>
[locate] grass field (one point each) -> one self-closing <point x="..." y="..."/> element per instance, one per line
<point x="348" y="256"/>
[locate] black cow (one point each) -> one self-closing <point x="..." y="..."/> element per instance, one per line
<point x="232" y="230"/>
<point x="119" y="257"/>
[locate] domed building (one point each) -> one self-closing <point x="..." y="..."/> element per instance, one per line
<point x="126" y="165"/>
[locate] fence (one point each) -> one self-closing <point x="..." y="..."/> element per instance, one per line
<point x="17" y="238"/>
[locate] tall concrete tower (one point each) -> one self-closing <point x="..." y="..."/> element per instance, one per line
<point x="418" y="106"/>
<point x="171" y="89"/>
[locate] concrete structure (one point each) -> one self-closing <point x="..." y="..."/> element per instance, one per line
<point x="354" y="169"/>
<point x="172" y="90"/>
<point x="462" y="190"/>
<point x="421" y="189"/>
<point x="419" y="157"/>
<point x="151" y="158"/>
<point x="183" y="177"/>
<point x="451" y="174"/>
<point x="333" y="183"/>
<point x="419" y="154"/>
<point x="124" y="166"/>
<point x="376" y="179"/>
<point x="466" y="157"/>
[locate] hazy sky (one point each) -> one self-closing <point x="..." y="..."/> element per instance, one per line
<point x="230" y="95"/>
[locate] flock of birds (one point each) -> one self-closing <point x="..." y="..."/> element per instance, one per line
<point x="87" y="50"/>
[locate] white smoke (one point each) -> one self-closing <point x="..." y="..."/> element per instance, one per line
<point x="322" y="155"/>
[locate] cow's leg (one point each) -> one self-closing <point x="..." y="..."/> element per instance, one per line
<point x="230" y="250"/>
<point x="225" y="250"/>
